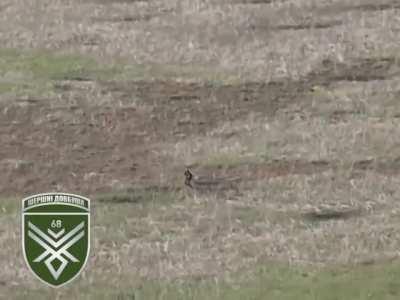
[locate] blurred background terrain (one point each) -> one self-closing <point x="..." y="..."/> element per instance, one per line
<point x="300" y="100"/>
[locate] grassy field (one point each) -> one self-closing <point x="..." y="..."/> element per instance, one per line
<point x="296" y="102"/>
<point x="365" y="282"/>
<point x="373" y="279"/>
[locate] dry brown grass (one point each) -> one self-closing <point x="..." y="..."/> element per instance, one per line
<point x="224" y="36"/>
<point x="322" y="141"/>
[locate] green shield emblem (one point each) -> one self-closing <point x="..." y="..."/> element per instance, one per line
<point x="56" y="236"/>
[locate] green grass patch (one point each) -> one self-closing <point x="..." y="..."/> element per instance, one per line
<point x="8" y="87"/>
<point x="10" y="206"/>
<point x="43" y="64"/>
<point x="50" y="66"/>
<point x="114" y="208"/>
<point x="272" y="281"/>
<point x="34" y="72"/>
<point x="249" y="215"/>
<point x="283" y="283"/>
<point x="122" y="213"/>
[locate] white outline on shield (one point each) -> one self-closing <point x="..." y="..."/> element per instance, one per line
<point x="23" y="234"/>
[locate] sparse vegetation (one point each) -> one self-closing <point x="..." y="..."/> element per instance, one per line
<point x="36" y="73"/>
<point x="297" y="99"/>
<point x="33" y="72"/>
<point x="272" y="282"/>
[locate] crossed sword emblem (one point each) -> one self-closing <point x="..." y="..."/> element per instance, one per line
<point x="53" y="247"/>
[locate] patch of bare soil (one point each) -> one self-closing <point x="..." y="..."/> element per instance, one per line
<point x="331" y="214"/>
<point x="308" y="25"/>
<point x="266" y="170"/>
<point x="119" y="1"/>
<point x="181" y="110"/>
<point x="138" y="17"/>
<point x="367" y="6"/>
<point x="361" y="69"/>
<point x="256" y="1"/>
<point x="275" y="168"/>
<point x="79" y="146"/>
